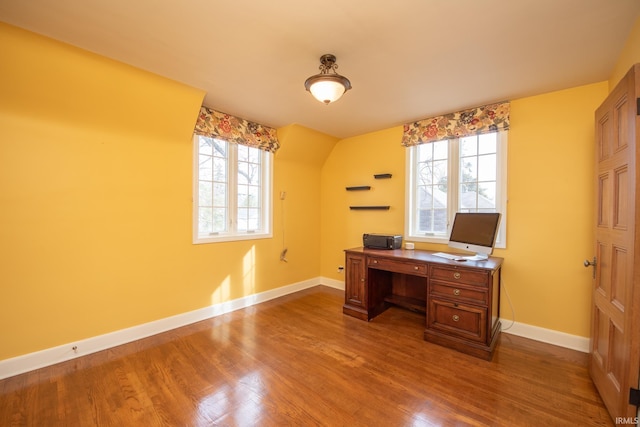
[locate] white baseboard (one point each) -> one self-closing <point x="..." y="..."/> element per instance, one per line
<point x="39" y="359"/>
<point x="548" y="336"/>
<point x="332" y="283"/>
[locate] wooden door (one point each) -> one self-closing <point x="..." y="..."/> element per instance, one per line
<point x="615" y="333"/>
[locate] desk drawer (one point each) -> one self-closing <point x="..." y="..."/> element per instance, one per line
<point x="459" y="293"/>
<point x="460" y="275"/>
<point x="457" y="319"/>
<point x="406" y="267"/>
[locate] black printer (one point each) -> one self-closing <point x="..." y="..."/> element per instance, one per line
<point x="382" y="241"/>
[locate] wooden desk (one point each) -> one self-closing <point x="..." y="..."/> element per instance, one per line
<point x="460" y="300"/>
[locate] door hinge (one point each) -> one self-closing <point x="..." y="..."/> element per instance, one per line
<point x="637" y="106"/>
<point x="634" y="397"/>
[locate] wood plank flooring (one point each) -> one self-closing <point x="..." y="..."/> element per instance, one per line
<point x="298" y="361"/>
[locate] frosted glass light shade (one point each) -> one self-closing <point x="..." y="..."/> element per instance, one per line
<point x="327" y="91"/>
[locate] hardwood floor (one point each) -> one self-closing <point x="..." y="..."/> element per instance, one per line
<point x="298" y="361"/>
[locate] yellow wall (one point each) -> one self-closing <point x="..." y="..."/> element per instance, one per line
<point x="550" y="209"/>
<point x="95" y="201"/>
<point x="630" y="55"/>
<point x="353" y="162"/>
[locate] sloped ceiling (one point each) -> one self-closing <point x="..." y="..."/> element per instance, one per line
<point x="407" y="59"/>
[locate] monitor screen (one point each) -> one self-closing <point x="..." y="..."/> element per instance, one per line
<point x="475" y="232"/>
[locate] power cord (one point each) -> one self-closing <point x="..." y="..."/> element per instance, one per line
<point x="283" y="254"/>
<point x="513" y="312"/>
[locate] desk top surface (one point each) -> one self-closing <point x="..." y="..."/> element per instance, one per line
<point x="492" y="263"/>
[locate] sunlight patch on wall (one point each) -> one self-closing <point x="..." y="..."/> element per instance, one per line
<point x="249" y="272"/>
<point x="222" y="292"/>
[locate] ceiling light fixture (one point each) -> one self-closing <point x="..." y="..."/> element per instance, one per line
<point x="328" y="86"/>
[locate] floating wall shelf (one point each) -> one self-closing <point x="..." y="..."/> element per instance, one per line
<point x="382" y="176"/>
<point x="376" y="208"/>
<point x="359" y="188"/>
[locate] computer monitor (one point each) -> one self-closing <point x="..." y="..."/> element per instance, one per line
<point x="475" y="232"/>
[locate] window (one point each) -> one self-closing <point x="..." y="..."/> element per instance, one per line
<point x="467" y="174"/>
<point x="232" y="191"/>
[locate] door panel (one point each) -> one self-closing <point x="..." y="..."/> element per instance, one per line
<point x="615" y="341"/>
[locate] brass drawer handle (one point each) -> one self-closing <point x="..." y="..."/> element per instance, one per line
<point x="416" y="268"/>
<point x="456" y="275"/>
<point x="456" y="292"/>
<point x="375" y="261"/>
<point x="456" y="317"/>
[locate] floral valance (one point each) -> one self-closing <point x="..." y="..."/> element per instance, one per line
<point x="485" y="119"/>
<point x="220" y="125"/>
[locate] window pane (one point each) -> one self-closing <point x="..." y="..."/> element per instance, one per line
<point x="219" y="194"/>
<point x="487" y="167"/>
<point x="205" y="220"/>
<point x="439" y="196"/>
<point x="432" y="221"/>
<point x="440" y="150"/>
<point x="254" y="197"/>
<point x="220" y="169"/>
<point x="254" y="174"/>
<point x="205" y="193"/>
<point x="243" y="153"/>
<point x="431" y="188"/>
<point x="243" y="173"/>
<point x="487" y="195"/>
<point x="220" y="147"/>
<point x="425" y="152"/>
<point x="243" y="191"/>
<point x="468" y="169"/>
<point x="254" y="155"/>
<point x="487" y="143"/>
<point x="253" y="220"/>
<point x="468" y="200"/>
<point x="440" y="221"/>
<point x="425" y="197"/>
<point x="242" y="219"/>
<point x="425" y="220"/>
<point x="205" y="167"/>
<point x="220" y="219"/>
<point x="482" y="196"/>
<point x="440" y="172"/>
<point x="205" y="145"/>
<point x="425" y="173"/>
<point x="469" y="146"/>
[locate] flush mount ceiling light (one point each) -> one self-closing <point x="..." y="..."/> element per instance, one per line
<point x="328" y="86"/>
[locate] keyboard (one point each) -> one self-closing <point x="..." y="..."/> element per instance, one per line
<point x="448" y="256"/>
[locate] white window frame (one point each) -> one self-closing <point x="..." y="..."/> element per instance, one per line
<point x="232" y="234"/>
<point x="452" y="196"/>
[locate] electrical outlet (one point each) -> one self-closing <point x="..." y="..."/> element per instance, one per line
<point x="340" y="269"/>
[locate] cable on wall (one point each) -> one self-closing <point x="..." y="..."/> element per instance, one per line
<point x="283" y="253"/>
<point x="513" y="311"/>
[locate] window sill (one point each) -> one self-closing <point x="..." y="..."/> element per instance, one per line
<point x="427" y="239"/>
<point x="231" y="238"/>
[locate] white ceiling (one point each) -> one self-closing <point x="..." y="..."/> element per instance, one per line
<point x="406" y="59"/>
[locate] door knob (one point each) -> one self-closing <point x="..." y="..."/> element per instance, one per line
<point x="593" y="264"/>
